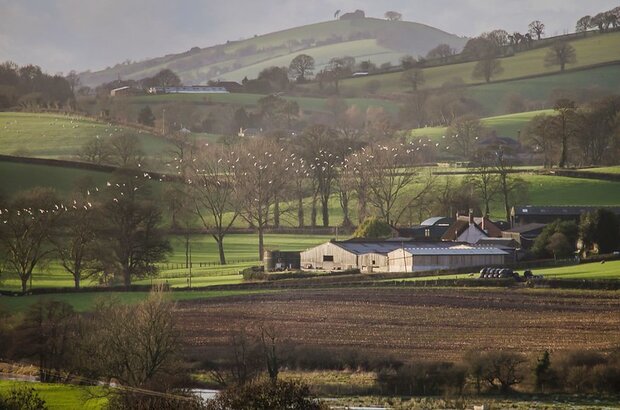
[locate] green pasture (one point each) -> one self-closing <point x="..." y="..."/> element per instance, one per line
<point x="605" y="170"/>
<point x="63" y="396"/>
<point x="593" y="271"/>
<point x="306" y="104"/>
<point x="542" y="91"/>
<point x="508" y="125"/>
<point x="241" y="252"/>
<point x="597" y="49"/>
<point x="555" y="190"/>
<point x="16" y="177"/>
<point x="62" y="136"/>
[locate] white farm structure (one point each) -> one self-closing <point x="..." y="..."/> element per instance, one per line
<point x="393" y="256"/>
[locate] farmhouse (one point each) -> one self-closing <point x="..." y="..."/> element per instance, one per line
<point x="417" y="259"/>
<point x="399" y="256"/>
<point x="471" y="229"/>
<point x="521" y="215"/>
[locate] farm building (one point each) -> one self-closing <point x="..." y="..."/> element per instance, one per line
<point x="432" y="229"/>
<point x="525" y="234"/>
<point x="471" y="229"/>
<point x="348" y="255"/>
<point x="522" y="215"/>
<point x="408" y="259"/>
<point x="393" y="256"/>
<point x="124" y="91"/>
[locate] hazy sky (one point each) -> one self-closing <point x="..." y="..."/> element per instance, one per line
<point x="60" y="35"/>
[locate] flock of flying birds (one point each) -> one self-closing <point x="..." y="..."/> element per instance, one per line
<point x="289" y="162"/>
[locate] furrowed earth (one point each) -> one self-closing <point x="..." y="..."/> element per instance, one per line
<point x="420" y="323"/>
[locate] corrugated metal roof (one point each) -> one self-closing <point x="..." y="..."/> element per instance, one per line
<point x="385" y="247"/>
<point x="454" y="251"/>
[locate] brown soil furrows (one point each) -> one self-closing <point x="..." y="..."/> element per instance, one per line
<point x="412" y="323"/>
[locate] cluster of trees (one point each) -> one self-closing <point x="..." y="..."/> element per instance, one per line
<point x="30" y="88"/>
<point x="588" y="135"/>
<point x="111" y="234"/>
<point x="597" y="232"/>
<point x="603" y="21"/>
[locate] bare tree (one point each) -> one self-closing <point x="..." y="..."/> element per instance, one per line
<point x="539" y="135"/>
<point x="487" y="68"/>
<point x="583" y="24"/>
<point x="29" y="220"/>
<point x="566" y="126"/>
<point x="213" y="192"/>
<point x="442" y="52"/>
<point x="76" y="238"/>
<point x="511" y="187"/>
<point x="466" y="132"/>
<point x="319" y="148"/>
<point x="414" y="78"/>
<point x="126" y="151"/>
<point x="536" y="28"/>
<point x="96" y="150"/>
<point x="486" y="182"/>
<point x="130" y="232"/>
<point x="560" y="53"/>
<point x="136" y="345"/>
<point x="391" y="181"/>
<point x="260" y="180"/>
<point x="300" y="66"/>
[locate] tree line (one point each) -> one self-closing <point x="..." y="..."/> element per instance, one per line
<point x="29" y="87"/>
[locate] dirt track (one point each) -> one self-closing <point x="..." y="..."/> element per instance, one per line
<point x="413" y="322"/>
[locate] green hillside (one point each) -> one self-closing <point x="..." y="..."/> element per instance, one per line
<point x="61" y="136"/>
<point x="375" y="39"/>
<point x="540" y="91"/>
<point x="597" y="49"/>
<point x="504" y="125"/>
<point x="306" y="104"/>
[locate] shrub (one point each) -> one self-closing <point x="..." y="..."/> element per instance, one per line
<point x="22" y="398"/>
<point x="265" y="395"/>
<point x="423" y="379"/>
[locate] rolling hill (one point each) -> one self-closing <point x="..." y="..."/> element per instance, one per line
<point x="366" y="39"/>
<point x="591" y="51"/>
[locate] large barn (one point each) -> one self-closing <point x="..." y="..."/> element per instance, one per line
<point x="397" y="256"/>
<point x="418" y="259"/>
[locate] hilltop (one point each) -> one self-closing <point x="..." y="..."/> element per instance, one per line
<point x="379" y="41"/>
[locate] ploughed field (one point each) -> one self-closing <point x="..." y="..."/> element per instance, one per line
<point x="430" y="323"/>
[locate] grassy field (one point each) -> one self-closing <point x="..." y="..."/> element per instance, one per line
<point x="591" y="271"/>
<point x="592" y="50"/>
<point x="62" y="136"/>
<point x="505" y="125"/>
<point x="306" y="104"/>
<point x="542" y="91"/>
<point x="241" y="252"/>
<point x="605" y="170"/>
<point x="63" y="396"/>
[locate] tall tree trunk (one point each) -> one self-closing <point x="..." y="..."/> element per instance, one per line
<point x="261" y="245"/>
<point x="276" y="213"/>
<point x="325" y="211"/>
<point x="300" y="211"/>
<point x="313" y="212"/>
<point x="219" y="239"/>
<point x="24" y="283"/>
